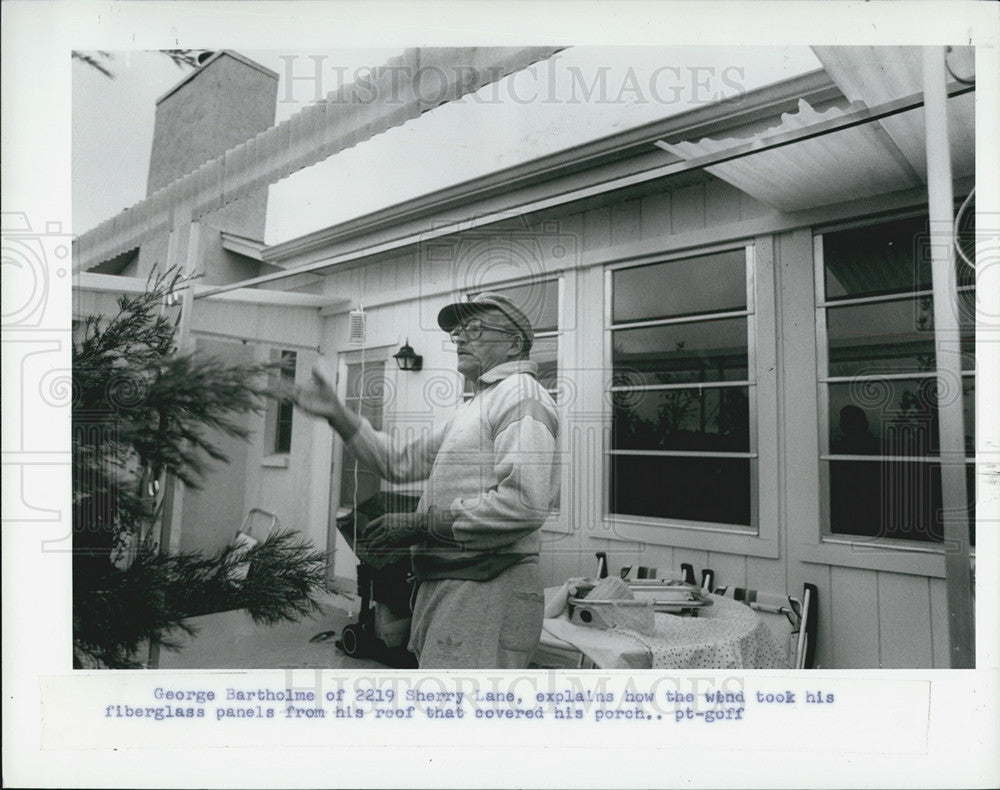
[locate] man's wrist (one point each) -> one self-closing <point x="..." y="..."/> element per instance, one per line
<point x="440" y="524"/>
<point x="343" y="421"/>
<point x="346" y="431"/>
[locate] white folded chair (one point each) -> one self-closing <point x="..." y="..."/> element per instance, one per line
<point x="792" y="621"/>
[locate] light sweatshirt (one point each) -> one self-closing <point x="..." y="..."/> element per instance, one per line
<point x="491" y="471"/>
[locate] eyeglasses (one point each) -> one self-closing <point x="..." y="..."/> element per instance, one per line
<point x="473" y="329"/>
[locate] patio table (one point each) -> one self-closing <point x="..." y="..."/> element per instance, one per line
<point x="725" y="635"/>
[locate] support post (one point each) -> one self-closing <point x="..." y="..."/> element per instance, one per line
<point x="173" y="489"/>
<point x="173" y="502"/>
<point x="954" y="496"/>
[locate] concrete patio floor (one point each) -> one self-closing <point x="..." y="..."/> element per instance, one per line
<point x="231" y="640"/>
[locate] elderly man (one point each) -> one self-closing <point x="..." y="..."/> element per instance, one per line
<point x="491" y="479"/>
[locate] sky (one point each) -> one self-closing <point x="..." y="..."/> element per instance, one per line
<point x="581" y="94"/>
<point x="112" y="119"/>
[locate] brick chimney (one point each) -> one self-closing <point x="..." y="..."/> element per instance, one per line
<point x="225" y="102"/>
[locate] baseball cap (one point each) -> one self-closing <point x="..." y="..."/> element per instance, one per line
<point x="454" y="314"/>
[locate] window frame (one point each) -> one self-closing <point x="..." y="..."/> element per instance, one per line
<point x="272" y="453"/>
<point x="826" y="537"/>
<point x="368" y="356"/>
<point x="760" y="538"/>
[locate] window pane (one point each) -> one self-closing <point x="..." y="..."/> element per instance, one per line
<point x="283" y="432"/>
<point x="715" y="490"/>
<point x="896" y="417"/>
<point x="706" y="284"/>
<point x="538" y="301"/>
<point x="369" y="408"/>
<point x="373" y="411"/>
<point x="967" y="327"/>
<point x="369" y="483"/>
<point x="878" y="259"/>
<point x="886" y="499"/>
<point x="545" y="352"/>
<point x="883" y="337"/>
<point x="353" y="381"/>
<point x="698" y="351"/>
<point x="689" y="419"/>
<point x="280" y="415"/>
<point x="373" y="384"/>
<point x="367" y="396"/>
<point x="892" y="500"/>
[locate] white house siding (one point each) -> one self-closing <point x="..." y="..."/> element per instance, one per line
<point x="876" y="611"/>
<point x="282" y="489"/>
<point x="212" y="515"/>
<point x="295" y="486"/>
<point x="868" y="617"/>
<point x="664" y="215"/>
<point x="285" y="485"/>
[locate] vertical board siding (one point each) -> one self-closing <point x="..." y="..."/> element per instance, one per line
<point x="940" y="638"/>
<point x="567" y="561"/>
<point x="597" y="229"/>
<point x="546" y="564"/>
<point x="407" y="271"/>
<point x="730" y="569"/>
<point x="623" y="554"/>
<point x="767" y="574"/>
<point x="571" y="226"/>
<point x="688" y="209"/>
<point x="904" y="621"/>
<point x="554" y="543"/>
<point x="751" y="207"/>
<point x="854" y="611"/>
<point x="584" y="497"/>
<point x="820" y="576"/>
<point x="722" y="202"/>
<point x="867" y="618"/>
<point x="654" y="216"/>
<point x="588" y="558"/>
<point x="698" y="560"/>
<point x="212" y="515"/>
<point x="662" y="558"/>
<point x="625" y="222"/>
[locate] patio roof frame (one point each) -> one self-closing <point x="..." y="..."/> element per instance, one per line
<point x="856" y="118"/>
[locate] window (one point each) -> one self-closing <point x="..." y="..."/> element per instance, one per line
<point x="880" y="431"/>
<point x="540" y="302"/>
<point x="365" y="395"/>
<point x="682" y="391"/>
<point x="279" y="414"/>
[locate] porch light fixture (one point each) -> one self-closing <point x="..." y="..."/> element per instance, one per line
<point x="406" y="359"/>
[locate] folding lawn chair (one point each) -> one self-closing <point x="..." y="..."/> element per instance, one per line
<point x="792" y="621"/>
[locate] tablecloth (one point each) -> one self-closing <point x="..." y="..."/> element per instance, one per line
<point x="726" y="635"/>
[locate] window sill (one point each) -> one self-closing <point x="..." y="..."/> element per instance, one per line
<point x="275" y="461"/>
<point x="689" y="536"/>
<point x="927" y="560"/>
